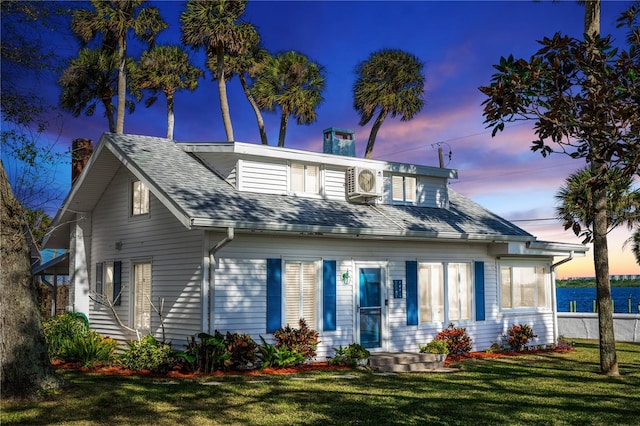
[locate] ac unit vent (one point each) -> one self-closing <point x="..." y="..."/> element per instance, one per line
<point x="363" y="183"/>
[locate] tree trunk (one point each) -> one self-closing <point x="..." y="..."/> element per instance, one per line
<point x="374" y="133"/>
<point x="170" y="116"/>
<point x="122" y="85"/>
<point x="256" y="109"/>
<point x="108" y="111"/>
<point x="608" y="358"/>
<point x="284" y="119"/>
<point x="222" y="89"/>
<point x="26" y="368"/>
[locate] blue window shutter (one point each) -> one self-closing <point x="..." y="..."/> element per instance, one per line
<point x="329" y="295"/>
<point x="479" y="284"/>
<point x="274" y="295"/>
<point x="117" y="282"/>
<point x="412" y="292"/>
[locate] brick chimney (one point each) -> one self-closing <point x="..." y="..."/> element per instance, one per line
<point x="81" y="150"/>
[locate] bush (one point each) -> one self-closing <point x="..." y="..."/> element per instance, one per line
<point x="206" y="355"/>
<point x="303" y="340"/>
<point x="564" y="344"/>
<point x="69" y="338"/>
<point x="519" y="335"/>
<point x="457" y="339"/>
<point x="242" y="350"/>
<point x="148" y="354"/>
<point x="280" y="357"/>
<point x="350" y="355"/>
<point x="434" y="347"/>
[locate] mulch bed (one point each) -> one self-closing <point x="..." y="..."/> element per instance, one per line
<point x="178" y="373"/>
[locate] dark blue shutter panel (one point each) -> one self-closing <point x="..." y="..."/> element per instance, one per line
<point x="329" y="295"/>
<point x="274" y="295"/>
<point x="99" y="275"/>
<point x="479" y="284"/>
<point x="117" y="282"/>
<point x="412" y="292"/>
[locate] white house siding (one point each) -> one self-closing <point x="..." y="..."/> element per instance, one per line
<point x="239" y="291"/>
<point x="334" y="183"/>
<point x="175" y="254"/>
<point x="432" y="192"/>
<point x="261" y="176"/>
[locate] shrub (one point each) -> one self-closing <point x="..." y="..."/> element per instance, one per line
<point x="519" y="335"/>
<point x="206" y="355"/>
<point x="495" y="348"/>
<point x="434" y="347"/>
<point x="303" y="340"/>
<point x="350" y="354"/>
<point x="457" y="339"/>
<point x="148" y="354"/>
<point x="59" y="330"/>
<point x="242" y="350"/>
<point x="281" y="357"/>
<point x="69" y="338"/>
<point x="564" y="344"/>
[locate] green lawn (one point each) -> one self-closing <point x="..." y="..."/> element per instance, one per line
<point x="550" y="388"/>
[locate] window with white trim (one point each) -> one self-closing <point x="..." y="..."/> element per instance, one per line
<point x="139" y="198"/>
<point x="142" y="295"/>
<point x="403" y="189"/>
<point x="305" y="178"/>
<point x="523" y="287"/>
<point x="433" y="293"/>
<point x="300" y="293"/>
<point x="105" y="279"/>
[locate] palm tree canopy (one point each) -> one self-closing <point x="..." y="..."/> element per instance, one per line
<point x="293" y="82"/>
<point x="90" y="78"/>
<point x="390" y="81"/>
<point x="211" y="24"/>
<point x="246" y="57"/>
<point x="114" y="19"/>
<point x="166" y="69"/>
<point x="576" y="203"/>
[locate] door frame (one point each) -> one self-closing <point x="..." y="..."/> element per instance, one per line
<point x="384" y="317"/>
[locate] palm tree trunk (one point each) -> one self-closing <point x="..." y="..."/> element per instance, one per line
<point x="222" y="89"/>
<point x="108" y="111"/>
<point x="122" y="84"/>
<point x="374" y="133"/>
<point x="256" y="109"/>
<point x="283" y="128"/>
<point x="170" y="116"/>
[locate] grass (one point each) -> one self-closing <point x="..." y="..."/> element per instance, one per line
<point x="548" y="388"/>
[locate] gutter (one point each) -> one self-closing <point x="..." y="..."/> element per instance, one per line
<point x="207" y="301"/>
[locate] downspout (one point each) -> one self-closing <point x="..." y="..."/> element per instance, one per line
<point x="553" y="293"/>
<point x="206" y="299"/>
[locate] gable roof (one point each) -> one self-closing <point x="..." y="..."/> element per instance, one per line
<point x="199" y="198"/>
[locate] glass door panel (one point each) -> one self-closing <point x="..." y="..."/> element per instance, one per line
<point x="370" y="315"/>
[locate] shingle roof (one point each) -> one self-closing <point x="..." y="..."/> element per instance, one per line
<point x="208" y="200"/>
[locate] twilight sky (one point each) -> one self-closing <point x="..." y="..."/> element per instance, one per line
<point x="458" y="43"/>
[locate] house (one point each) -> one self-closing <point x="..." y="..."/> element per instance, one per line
<point x="246" y="238"/>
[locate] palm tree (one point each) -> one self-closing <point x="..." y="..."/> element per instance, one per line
<point x="89" y="79"/>
<point x="389" y="82"/>
<point x="248" y="66"/>
<point x="576" y="203"/>
<point x="214" y="26"/>
<point x="114" y="19"/>
<point x="293" y="82"/>
<point x="166" y="69"/>
<point x="634" y="240"/>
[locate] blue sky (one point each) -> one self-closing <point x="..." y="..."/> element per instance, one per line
<point x="458" y="43"/>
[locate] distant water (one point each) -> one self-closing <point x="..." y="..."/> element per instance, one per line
<point x="584" y="298"/>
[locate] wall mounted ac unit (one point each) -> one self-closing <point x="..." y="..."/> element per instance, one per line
<point x="363" y="183"/>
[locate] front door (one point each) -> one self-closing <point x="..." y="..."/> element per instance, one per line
<point x="370" y="318"/>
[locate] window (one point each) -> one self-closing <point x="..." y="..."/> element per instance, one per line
<point x="108" y="281"/>
<point x="305" y="178"/>
<point x="142" y="296"/>
<point x="300" y="293"/>
<point x="403" y="189"/>
<point x="139" y="198"/>
<point x="433" y="293"/>
<point x="523" y="287"/>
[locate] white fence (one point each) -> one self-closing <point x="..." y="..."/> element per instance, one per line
<point x="580" y="325"/>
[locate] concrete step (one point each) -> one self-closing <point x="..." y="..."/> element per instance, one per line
<point x="406" y="361"/>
